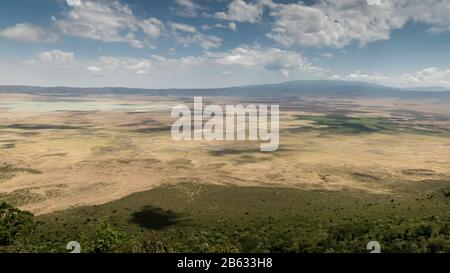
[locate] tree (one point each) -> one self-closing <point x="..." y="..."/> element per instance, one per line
<point x="13" y="223"/>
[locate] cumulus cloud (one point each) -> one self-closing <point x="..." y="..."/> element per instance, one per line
<point x="205" y="41"/>
<point x="183" y="62"/>
<point x="25" y="32"/>
<point x="271" y="59"/>
<point x="182" y="27"/>
<point x="432" y="75"/>
<point x="121" y="65"/>
<point x="93" y="68"/>
<point x="249" y="58"/>
<point x="232" y="26"/>
<point x="74" y="2"/>
<point x="56" y="57"/>
<point x="152" y="27"/>
<point x="108" y="21"/>
<point x="208" y="41"/>
<point x="432" y="12"/>
<point x="338" y="23"/>
<point x="334" y="23"/>
<point x="186" y="35"/>
<point x="426" y="77"/>
<point x="187" y="8"/>
<point x="114" y="65"/>
<point x="241" y="11"/>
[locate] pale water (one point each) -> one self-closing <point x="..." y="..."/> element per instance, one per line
<point x="55" y="106"/>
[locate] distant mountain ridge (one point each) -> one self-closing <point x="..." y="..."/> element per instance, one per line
<point x="310" y="88"/>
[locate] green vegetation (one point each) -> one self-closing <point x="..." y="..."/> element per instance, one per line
<point x="20" y="197"/>
<point x="13" y="224"/>
<point x="340" y="124"/>
<point x="8" y="171"/>
<point x="207" y="218"/>
<point x="345" y="124"/>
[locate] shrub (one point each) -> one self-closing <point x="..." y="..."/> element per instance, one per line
<point x="154" y="244"/>
<point x="14" y="223"/>
<point x="106" y="239"/>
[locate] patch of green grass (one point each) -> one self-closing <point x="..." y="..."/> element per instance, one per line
<point x="347" y="124"/>
<point x="341" y="124"/>
<point x="20" y="197"/>
<point x="8" y="171"/>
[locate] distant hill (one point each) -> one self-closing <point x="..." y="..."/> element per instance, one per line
<point x="287" y="89"/>
<point x="427" y="88"/>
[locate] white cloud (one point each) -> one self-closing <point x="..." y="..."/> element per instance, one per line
<point x="426" y="77"/>
<point x="232" y="26"/>
<point x="286" y="63"/>
<point x="140" y="67"/>
<point x="207" y="27"/>
<point x="333" y="23"/>
<point x="239" y="66"/>
<point x="432" y="12"/>
<point x="152" y="27"/>
<point x="93" y="68"/>
<point x="182" y="27"/>
<point x="108" y="21"/>
<point x="187" y="8"/>
<point x="177" y="63"/>
<point x="204" y="41"/>
<point x="209" y="41"/>
<point x="374" y="78"/>
<point x="220" y="26"/>
<point x="244" y="58"/>
<point x="74" y="2"/>
<point x="271" y="59"/>
<point x="108" y="62"/>
<point x="336" y="24"/>
<point x="119" y="65"/>
<point x="57" y="57"/>
<point x="327" y="55"/>
<point x="330" y="23"/>
<point x="25" y="32"/>
<point x="241" y="11"/>
<point x="187" y="35"/>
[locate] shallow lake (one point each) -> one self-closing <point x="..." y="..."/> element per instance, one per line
<point x="56" y="106"/>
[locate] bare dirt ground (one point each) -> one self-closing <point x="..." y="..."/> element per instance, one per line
<point x="65" y="158"/>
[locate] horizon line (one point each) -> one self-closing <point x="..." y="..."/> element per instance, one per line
<point x="413" y="88"/>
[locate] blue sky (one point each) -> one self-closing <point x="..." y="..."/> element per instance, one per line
<point x="217" y="43"/>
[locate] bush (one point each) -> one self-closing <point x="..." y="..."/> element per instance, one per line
<point x="13" y="224"/>
<point x="154" y="244"/>
<point x="106" y="239"/>
<point x="436" y="245"/>
<point x="423" y="230"/>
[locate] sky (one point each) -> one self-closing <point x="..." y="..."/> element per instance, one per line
<point x="220" y="43"/>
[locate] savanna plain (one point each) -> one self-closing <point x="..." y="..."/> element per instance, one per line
<point x="104" y="170"/>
